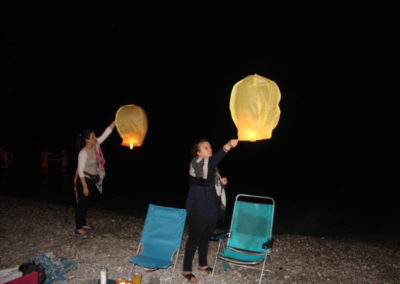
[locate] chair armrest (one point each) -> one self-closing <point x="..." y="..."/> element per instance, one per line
<point x="268" y="244"/>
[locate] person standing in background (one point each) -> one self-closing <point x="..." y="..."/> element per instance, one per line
<point x="89" y="175"/>
<point x="6" y="159"/>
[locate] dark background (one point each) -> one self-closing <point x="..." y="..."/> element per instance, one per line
<point x="332" y="161"/>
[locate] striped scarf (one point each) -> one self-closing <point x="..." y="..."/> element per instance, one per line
<point x="199" y="168"/>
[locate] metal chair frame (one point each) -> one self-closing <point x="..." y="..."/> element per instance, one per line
<point x="174" y="258"/>
<point x="246" y="264"/>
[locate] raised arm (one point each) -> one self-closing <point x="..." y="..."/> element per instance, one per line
<point x="106" y="133"/>
<point x="112" y="125"/>
<point x="220" y="154"/>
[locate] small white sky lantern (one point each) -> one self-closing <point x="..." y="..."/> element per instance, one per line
<point x="254" y="106"/>
<point x="131" y="122"/>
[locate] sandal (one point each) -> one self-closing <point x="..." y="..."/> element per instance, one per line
<point x="190" y="277"/>
<point x="80" y="232"/>
<point x="88" y="228"/>
<point x="207" y="268"/>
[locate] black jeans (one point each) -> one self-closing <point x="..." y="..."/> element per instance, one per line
<point x="200" y="231"/>
<point x="83" y="202"/>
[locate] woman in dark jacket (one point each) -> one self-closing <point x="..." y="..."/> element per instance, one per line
<point x="203" y="202"/>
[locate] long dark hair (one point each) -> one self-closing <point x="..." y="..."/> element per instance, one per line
<point x="80" y="139"/>
<point x="195" y="147"/>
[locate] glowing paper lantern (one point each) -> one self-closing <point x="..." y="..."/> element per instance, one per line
<point x="131" y="122"/>
<point x="254" y="106"/>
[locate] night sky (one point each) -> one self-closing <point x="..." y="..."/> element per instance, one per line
<point x="69" y="65"/>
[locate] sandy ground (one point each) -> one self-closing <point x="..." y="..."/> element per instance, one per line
<point x="29" y="228"/>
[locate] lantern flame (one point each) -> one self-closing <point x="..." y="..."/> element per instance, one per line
<point x="131" y="146"/>
<point x="251" y="135"/>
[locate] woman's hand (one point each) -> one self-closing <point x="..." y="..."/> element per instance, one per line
<point x="231" y="144"/>
<point x="224" y="180"/>
<point x="85" y="191"/>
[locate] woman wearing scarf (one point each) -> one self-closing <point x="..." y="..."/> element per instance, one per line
<point x="205" y="199"/>
<point x="89" y="174"/>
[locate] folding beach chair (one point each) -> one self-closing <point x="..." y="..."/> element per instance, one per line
<point x="249" y="240"/>
<point x="161" y="238"/>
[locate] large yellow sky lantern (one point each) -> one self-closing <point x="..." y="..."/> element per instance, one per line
<point x="131" y="122"/>
<point x="254" y="106"/>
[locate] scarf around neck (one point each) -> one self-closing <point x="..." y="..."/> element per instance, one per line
<point x="199" y="168"/>
<point x="100" y="161"/>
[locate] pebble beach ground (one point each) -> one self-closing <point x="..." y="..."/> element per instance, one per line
<point x="29" y="228"/>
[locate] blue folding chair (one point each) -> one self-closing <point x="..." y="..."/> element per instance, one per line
<point x="249" y="240"/>
<point x="161" y="238"/>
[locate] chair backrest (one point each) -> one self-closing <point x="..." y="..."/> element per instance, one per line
<point x="251" y="224"/>
<point x="163" y="230"/>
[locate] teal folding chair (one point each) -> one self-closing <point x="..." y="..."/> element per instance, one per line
<point x="161" y="238"/>
<point x="249" y="240"/>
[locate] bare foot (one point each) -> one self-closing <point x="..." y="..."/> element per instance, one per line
<point x="80" y="232"/>
<point x="205" y="268"/>
<point x="88" y="228"/>
<point x="189" y="276"/>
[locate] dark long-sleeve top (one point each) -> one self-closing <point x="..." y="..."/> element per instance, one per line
<point x="202" y="196"/>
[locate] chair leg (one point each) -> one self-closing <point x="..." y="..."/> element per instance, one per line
<point x="174" y="265"/>
<point x="262" y="269"/>
<point x="225" y="265"/>
<point x="171" y="275"/>
<point x="215" y="262"/>
<point x="216" y="258"/>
